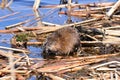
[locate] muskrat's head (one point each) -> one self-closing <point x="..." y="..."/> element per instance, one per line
<point x="50" y="48"/>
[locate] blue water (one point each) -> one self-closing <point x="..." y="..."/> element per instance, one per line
<point x="24" y="8"/>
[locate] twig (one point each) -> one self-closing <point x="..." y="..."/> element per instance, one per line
<point x="13" y="49"/>
<point x="34" y="43"/>
<point x="51" y="29"/>
<point x="28" y="60"/>
<point x="91" y="37"/>
<point x="8" y="4"/>
<point x="20" y="23"/>
<point x="16" y="71"/>
<point x="54" y="77"/>
<point x="105" y="64"/>
<point x="113" y="9"/>
<point x="17" y="30"/>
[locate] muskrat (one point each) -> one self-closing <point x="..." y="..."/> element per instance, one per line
<point x="64" y="41"/>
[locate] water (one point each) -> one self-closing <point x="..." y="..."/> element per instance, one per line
<point x="24" y="8"/>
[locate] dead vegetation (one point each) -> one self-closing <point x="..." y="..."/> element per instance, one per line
<point x="99" y="59"/>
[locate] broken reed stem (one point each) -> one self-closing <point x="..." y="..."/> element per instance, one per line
<point x="8" y="4"/>
<point x="69" y="10"/>
<point x="21" y="23"/>
<point x="28" y="60"/>
<point x="16" y="71"/>
<point x="79" y="23"/>
<point x="13" y="49"/>
<point x="105" y="64"/>
<point x="36" y="4"/>
<point x="53" y="77"/>
<point x="12" y="69"/>
<point x="113" y="9"/>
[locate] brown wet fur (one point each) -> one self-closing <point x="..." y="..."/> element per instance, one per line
<point x="64" y="41"/>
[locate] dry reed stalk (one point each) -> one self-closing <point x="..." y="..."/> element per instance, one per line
<point x="113" y="9"/>
<point x="12" y="66"/>
<point x="36" y="4"/>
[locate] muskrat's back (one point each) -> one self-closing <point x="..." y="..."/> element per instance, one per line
<point x="62" y="42"/>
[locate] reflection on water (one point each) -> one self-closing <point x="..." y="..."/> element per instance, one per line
<point x="5" y="40"/>
<point x="38" y="17"/>
<point x="35" y="51"/>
